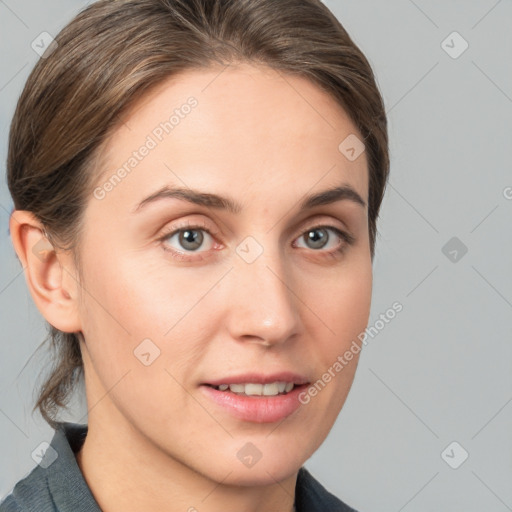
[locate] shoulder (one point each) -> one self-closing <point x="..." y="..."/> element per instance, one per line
<point x="30" y="493"/>
<point x="56" y="484"/>
<point x="311" y="496"/>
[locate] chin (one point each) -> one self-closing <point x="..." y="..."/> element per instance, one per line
<point x="249" y="477"/>
<point x="267" y="470"/>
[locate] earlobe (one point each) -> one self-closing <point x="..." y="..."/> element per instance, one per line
<point x="45" y="272"/>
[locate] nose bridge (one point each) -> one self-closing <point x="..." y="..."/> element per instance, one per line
<point x="265" y="305"/>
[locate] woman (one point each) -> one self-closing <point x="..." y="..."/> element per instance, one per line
<point x="196" y="187"/>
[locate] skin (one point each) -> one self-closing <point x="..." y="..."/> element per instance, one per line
<point x="155" y="442"/>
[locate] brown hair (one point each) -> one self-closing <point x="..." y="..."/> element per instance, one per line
<point x="113" y="52"/>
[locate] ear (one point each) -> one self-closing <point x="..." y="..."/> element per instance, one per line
<point x="49" y="273"/>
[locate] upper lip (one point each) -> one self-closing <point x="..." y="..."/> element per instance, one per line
<point x="260" y="378"/>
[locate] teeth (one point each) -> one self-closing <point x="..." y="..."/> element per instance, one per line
<point x="237" y="388"/>
<point x="255" y="389"/>
<point x="271" y="389"/>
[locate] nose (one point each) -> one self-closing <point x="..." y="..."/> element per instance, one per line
<point x="264" y="307"/>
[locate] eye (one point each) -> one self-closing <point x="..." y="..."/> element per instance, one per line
<point x="188" y="238"/>
<point x="318" y="238"/>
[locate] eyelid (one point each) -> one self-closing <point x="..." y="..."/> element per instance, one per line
<point x="190" y="224"/>
<point x="325" y="222"/>
<point x="342" y="233"/>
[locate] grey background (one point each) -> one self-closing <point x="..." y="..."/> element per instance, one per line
<point x="441" y="370"/>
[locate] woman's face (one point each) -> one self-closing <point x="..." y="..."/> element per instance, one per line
<point x="257" y="287"/>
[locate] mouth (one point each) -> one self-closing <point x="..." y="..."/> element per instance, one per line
<point x="258" y="389"/>
<point x="257" y="398"/>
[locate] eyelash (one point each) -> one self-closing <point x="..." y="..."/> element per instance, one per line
<point x="334" y="254"/>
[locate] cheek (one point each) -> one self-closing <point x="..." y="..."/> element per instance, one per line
<point x="139" y="296"/>
<point x="344" y="307"/>
<point x="139" y="338"/>
<point x="132" y="300"/>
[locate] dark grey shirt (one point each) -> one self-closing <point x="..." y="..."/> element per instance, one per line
<point x="56" y="484"/>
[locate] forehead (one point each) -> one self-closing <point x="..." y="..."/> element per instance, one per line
<point x="244" y="127"/>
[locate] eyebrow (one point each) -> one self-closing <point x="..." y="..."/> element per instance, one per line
<point x="332" y="195"/>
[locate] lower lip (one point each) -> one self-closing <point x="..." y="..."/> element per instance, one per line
<point x="258" y="409"/>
